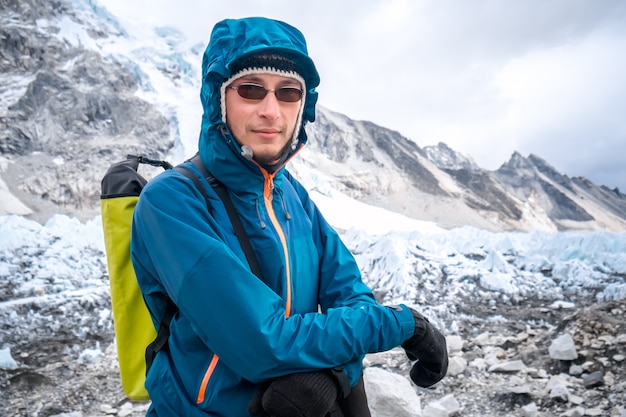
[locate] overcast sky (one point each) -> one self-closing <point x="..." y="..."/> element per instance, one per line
<point x="486" y="77"/>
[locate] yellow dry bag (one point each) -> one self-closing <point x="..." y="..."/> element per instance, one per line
<point x="134" y="329"/>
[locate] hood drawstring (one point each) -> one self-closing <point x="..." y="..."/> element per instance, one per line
<point x="282" y="200"/>
<point x="224" y="131"/>
<point x="258" y="213"/>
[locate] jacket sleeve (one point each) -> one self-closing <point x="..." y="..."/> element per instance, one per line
<point x="235" y="314"/>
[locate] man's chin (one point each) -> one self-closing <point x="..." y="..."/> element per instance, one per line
<point x="269" y="155"/>
<point x="266" y="159"/>
<point x="271" y="158"/>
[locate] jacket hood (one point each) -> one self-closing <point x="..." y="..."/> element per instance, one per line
<point x="231" y="40"/>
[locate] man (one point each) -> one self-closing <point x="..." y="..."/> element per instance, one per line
<point x="292" y="343"/>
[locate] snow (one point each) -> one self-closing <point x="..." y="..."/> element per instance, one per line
<point x="64" y="257"/>
<point x="91" y="355"/>
<point x="13" y="88"/>
<point x="407" y="261"/>
<point x="9" y="203"/>
<point x="6" y="360"/>
<point x="346" y="213"/>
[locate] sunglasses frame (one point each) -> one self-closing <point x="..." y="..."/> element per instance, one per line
<point x="278" y="92"/>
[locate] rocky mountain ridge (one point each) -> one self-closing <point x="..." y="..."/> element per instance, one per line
<point x="439" y="184"/>
<point x="69" y="110"/>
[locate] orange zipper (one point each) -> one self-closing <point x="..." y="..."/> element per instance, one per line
<point x="207" y="377"/>
<point x="268" y="196"/>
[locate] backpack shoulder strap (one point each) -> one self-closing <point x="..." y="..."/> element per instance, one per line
<point x="221" y="191"/>
<point x="163" y="335"/>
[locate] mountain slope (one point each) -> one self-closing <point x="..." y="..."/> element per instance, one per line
<point x="381" y="167"/>
<point x="67" y="110"/>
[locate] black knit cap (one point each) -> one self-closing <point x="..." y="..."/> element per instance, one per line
<point x="269" y="60"/>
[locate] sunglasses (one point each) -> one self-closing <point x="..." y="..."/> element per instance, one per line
<point x="258" y="92"/>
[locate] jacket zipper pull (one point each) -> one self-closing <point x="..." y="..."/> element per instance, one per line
<point x="270" y="188"/>
<point x="258" y="213"/>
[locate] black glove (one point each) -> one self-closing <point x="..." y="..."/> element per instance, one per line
<point x="428" y="347"/>
<point x="310" y="394"/>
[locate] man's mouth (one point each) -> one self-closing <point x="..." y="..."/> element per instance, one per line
<point x="268" y="133"/>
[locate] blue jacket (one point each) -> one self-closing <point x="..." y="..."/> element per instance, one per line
<point x="234" y="331"/>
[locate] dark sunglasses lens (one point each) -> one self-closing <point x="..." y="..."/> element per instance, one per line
<point x="251" y="91"/>
<point x="289" y="94"/>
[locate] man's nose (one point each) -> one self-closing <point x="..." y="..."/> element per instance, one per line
<point x="269" y="107"/>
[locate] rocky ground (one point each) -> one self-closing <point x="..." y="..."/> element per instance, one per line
<point x="502" y="363"/>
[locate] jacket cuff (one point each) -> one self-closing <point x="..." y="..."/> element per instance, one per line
<point x="405" y="318"/>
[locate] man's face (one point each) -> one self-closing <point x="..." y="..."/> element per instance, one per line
<point x="266" y="125"/>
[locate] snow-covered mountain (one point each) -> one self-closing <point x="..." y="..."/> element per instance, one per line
<point x="81" y="89"/>
<point x="435" y="183"/>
